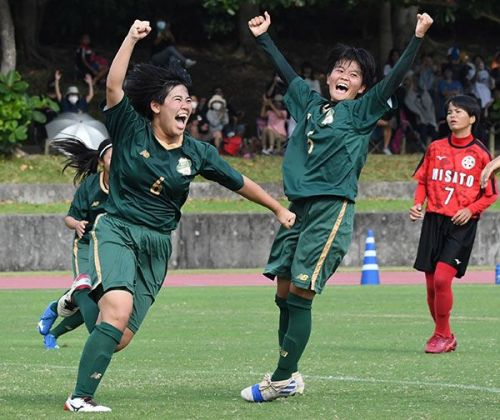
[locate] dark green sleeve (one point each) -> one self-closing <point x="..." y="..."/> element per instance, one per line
<point x="388" y="85"/>
<point x="79" y="208"/>
<point x="217" y="169"/>
<point x="286" y="72"/>
<point x="375" y="103"/>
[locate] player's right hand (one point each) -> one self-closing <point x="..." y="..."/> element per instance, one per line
<point x="139" y="29"/>
<point x="286" y="217"/>
<point x="259" y="24"/>
<point x="80" y="228"/>
<point x="416" y="212"/>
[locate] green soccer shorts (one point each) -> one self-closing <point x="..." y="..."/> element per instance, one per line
<point x="129" y="256"/>
<point x="309" y="253"/>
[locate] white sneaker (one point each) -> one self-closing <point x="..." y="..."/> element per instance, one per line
<point x="190" y="63"/>
<point x="65" y="305"/>
<point x="84" y="405"/>
<point x="299" y="380"/>
<point x="387" y="151"/>
<point x="268" y="390"/>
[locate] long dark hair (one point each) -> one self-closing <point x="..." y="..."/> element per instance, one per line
<point x="147" y="82"/>
<point x="79" y="156"/>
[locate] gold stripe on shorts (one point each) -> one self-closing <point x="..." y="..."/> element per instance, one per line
<point x="75" y="255"/>
<point x="97" y="262"/>
<point x="328" y="245"/>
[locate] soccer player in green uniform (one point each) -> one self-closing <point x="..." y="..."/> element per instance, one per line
<point x="154" y="162"/>
<point x="322" y="163"/>
<point x="78" y="305"/>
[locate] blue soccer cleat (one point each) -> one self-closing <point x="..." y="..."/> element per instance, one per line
<point x="50" y="342"/>
<point x="47" y="320"/>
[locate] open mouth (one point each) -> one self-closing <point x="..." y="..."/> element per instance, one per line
<point x="181" y="120"/>
<point x="342" y="87"/>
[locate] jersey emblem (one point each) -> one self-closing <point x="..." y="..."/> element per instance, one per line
<point x="157" y="186"/>
<point x="145" y="154"/>
<point x="328" y="117"/>
<point x="440" y="157"/>
<point x="302" y="277"/>
<point x="95" y="203"/>
<point x="457" y="261"/>
<point x="184" y="166"/>
<point x="468" y="162"/>
<point x="309" y="115"/>
<point x="310" y="146"/>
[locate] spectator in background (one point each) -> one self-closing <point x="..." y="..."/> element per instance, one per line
<point x="307" y="73"/>
<point x="274" y="134"/>
<point x="427" y="74"/>
<point x="198" y="125"/>
<point x="217" y="117"/>
<point x="453" y="62"/>
<point x="447" y="88"/>
<point x="275" y="87"/>
<point x="467" y="71"/>
<point x="495" y="68"/>
<point x="482" y="84"/>
<point x="391" y="60"/>
<point x="419" y="103"/>
<point x="164" y="50"/>
<point x="72" y="100"/>
<point x="88" y="62"/>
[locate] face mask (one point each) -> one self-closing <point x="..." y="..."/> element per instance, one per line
<point x="73" y="99"/>
<point x="217" y="106"/>
<point x="161" y="25"/>
<point x="194" y="105"/>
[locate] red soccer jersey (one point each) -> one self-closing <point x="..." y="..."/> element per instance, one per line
<point x="450" y="176"/>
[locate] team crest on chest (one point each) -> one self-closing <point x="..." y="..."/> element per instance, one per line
<point x="328" y="111"/>
<point x="145" y="154"/>
<point x="184" y="166"/>
<point x="95" y="203"/>
<point x="468" y="162"/>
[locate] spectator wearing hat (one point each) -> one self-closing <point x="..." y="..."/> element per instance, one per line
<point x="72" y="100"/>
<point x="217" y="117"/>
<point x="274" y="133"/>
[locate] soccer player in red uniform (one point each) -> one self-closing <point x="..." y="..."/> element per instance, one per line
<point x="449" y="179"/>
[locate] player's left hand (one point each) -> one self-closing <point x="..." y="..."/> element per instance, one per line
<point x="424" y="22"/>
<point x="461" y="217"/>
<point x="286" y="217"/>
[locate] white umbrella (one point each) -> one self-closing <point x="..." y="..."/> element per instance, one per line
<point x="82" y="127"/>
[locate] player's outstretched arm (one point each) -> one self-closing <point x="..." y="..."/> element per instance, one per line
<point x="254" y="192"/>
<point x="391" y="82"/>
<point x="118" y="70"/>
<point x="489" y="170"/>
<point x="259" y="26"/>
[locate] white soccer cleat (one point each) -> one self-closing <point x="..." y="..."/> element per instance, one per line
<point x="299" y="380"/>
<point x="84" y="405"/>
<point x="268" y="390"/>
<point x="65" y="305"/>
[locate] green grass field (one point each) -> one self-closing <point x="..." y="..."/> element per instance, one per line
<point x="199" y="346"/>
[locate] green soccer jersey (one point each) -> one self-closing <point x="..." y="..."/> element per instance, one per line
<point x="329" y="145"/>
<point x="148" y="183"/>
<point x="88" y="202"/>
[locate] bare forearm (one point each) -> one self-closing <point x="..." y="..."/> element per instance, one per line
<point x="70" y="222"/>
<point x="254" y="192"/>
<point x="118" y="71"/>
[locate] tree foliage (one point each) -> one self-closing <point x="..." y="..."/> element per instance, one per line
<point x="18" y="110"/>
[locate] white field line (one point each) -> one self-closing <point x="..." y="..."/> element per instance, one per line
<point x="460" y="317"/>
<point x="468" y="387"/>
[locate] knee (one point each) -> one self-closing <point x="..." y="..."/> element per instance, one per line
<point x="125" y="341"/>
